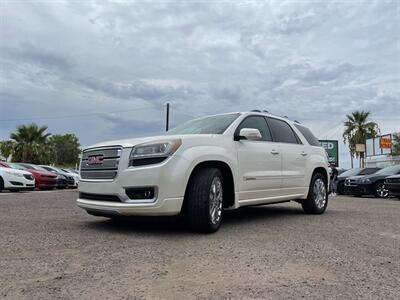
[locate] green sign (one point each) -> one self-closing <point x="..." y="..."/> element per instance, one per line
<point x="332" y="148"/>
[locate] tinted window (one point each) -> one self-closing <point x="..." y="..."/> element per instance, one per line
<point x="311" y="139"/>
<point x="282" y="132"/>
<point x="256" y="122"/>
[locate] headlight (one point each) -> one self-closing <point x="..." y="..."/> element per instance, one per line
<point x="151" y="153"/>
<point x="365" y="180"/>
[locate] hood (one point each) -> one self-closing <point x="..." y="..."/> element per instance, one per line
<point x="370" y="176"/>
<point x="42" y="172"/>
<point x="393" y="176"/>
<point x="15" y="171"/>
<point x="127" y="143"/>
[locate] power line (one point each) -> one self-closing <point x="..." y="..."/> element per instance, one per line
<point x="77" y="115"/>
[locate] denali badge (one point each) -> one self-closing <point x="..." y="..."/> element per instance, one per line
<point x="95" y="160"/>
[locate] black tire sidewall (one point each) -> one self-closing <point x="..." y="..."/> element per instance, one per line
<point x="309" y="205"/>
<point x="376" y="185"/>
<point x="340" y="188"/>
<point x="198" y="212"/>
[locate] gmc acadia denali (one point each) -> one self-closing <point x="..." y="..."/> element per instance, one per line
<point x="204" y="166"/>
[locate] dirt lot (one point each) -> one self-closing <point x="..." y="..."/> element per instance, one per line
<point x="50" y="249"/>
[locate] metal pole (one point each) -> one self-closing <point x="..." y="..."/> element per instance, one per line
<point x="167" y="118"/>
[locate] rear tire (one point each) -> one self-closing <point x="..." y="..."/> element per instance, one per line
<point x="1" y="184"/>
<point x="317" y="199"/>
<point x="205" y="200"/>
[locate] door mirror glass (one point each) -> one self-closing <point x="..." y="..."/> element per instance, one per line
<point x="251" y="134"/>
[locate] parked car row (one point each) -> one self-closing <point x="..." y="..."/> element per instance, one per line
<point x="380" y="183"/>
<point x="24" y="176"/>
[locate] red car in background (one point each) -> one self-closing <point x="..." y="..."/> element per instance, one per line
<point x="43" y="179"/>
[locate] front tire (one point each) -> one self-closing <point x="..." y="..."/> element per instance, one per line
<point x="317" y="199"/>
<point x="1" y="184"/>
<point x="340" y="188"/>
<point x="205" y="200"/>
<point x="380" y="190"/>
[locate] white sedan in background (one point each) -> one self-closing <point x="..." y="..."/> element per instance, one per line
<point x="16" y="180"/>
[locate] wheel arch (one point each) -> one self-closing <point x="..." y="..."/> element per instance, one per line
<point x="322" y="171"/>
<point x="228" y="180"/>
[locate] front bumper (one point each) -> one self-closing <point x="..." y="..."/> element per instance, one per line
<point x="166" y="207"/>
<point x="364" y="189"/>
<point x="167" y="179"/>
<point x="19" y="183"/>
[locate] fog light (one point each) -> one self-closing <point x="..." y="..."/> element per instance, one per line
<point x="143" y="193"/>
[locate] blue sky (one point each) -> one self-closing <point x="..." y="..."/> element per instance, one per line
<point x="312" y="61"/>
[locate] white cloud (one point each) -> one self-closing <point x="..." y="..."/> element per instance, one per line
<point x="313" y="61"/>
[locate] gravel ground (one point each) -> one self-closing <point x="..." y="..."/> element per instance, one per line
<point x="50" y="249"/>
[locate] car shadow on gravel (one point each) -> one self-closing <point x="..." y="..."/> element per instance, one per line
<point x="248" y="216"/>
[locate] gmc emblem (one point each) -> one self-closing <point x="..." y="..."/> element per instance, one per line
<point x="95" y="160"/>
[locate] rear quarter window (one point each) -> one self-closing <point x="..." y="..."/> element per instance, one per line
<point x="308" y="135"/>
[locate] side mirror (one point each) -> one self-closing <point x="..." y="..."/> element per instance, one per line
<point x="251" y="134"/>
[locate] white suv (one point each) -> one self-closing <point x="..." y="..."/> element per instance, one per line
<point x="205" y="166"/>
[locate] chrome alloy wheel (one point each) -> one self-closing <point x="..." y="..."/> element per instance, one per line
<point x="319" y="191"/>
<point x="216" y="200"/>
<point x="382" y="191"/>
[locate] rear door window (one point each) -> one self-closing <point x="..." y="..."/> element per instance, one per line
<point x="282" y="132"/>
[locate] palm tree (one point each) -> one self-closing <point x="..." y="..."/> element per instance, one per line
<point x="358" y="128"/>
<point x="30" y="141"/>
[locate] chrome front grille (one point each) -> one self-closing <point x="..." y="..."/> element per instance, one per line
<point x="100" y="163"/>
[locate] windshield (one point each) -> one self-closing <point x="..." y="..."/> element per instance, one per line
<point x="33" y="167"/>
<point x="368" y="171"/>
<point x="15" y="166"/>
<point x="350" y="172"/>
<point x="208" y="125"/>
<point x="389" y="170"/>
<point x="48" y="169"/>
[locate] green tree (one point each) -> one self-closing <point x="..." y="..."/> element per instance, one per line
<point x="65" y="149"/>
<point x="6" y="148"/>
<point x="30" y="143"/>
<point x="358" y="128"/>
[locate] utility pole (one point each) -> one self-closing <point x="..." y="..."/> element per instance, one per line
<point x="167" y="118"/>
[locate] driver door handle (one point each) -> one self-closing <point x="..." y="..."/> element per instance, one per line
<point x="274" y="152"/>
<point x="303" y="153"/>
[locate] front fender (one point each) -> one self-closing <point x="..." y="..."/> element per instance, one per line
<point x="200" y="154"/>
